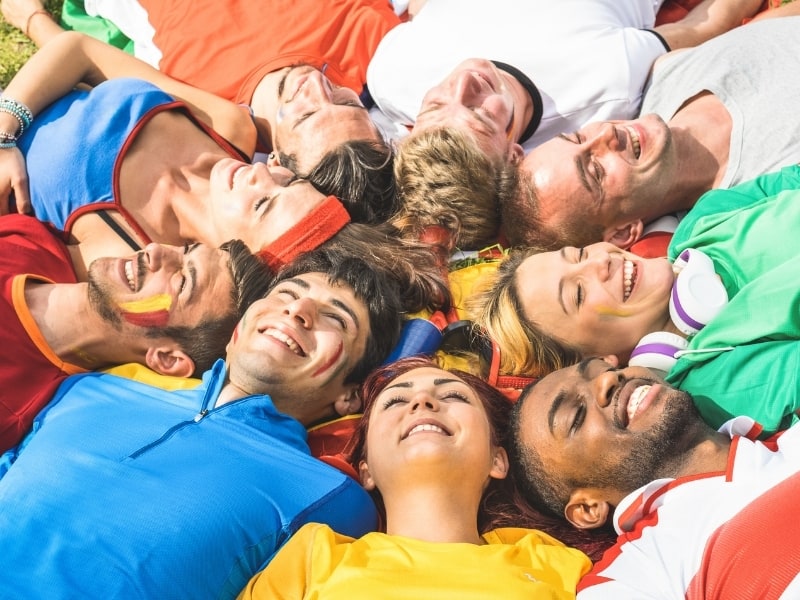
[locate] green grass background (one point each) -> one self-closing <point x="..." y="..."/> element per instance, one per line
<point x="15" y="48"/>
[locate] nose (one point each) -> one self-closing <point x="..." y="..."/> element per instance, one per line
<point x="157" y="256"/>
<point x="604" y="137"/>
<point x="302" y="310"/>
<point x="467" y="88"/>
<point x="597" y="264"/>
<point x="317" y="87"/>
<point x="604" y="385"/>
<point x="424" y="399"/>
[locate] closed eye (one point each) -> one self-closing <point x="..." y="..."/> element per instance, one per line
<point x="580" y="415"/>
<point x="339" y="319"/>
<point x="392" y="401"/>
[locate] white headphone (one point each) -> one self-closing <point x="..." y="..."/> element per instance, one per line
<point x="697" y="297"/>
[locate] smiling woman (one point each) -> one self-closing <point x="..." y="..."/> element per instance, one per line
<point x="429" y="447"/>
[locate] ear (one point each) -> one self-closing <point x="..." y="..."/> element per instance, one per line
<point x="611" y="359"/>
<point x="499" y="468"/>
<point x="515" y="153"/>
<point x="365" y="476"/>
<point x="348" y="403"/>
<point x="169" y="361"/>
<point x="625" y="235"/>
<point x="586" y="509"/>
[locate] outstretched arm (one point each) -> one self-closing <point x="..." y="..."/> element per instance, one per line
<point x="708" y="19"/>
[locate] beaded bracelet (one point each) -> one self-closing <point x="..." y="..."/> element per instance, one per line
<point x="19" y="110"/>
<point x="7" y="140"/>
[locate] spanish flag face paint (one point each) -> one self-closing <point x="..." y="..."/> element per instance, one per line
<point x="148" y="312"/>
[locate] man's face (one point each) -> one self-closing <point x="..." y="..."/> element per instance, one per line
<point x="162" y="286"/>
<point x="314" y="117"/>
<point x="605" y="428"/>
<point x="604" y="172"/>
<point x="301" y="341"/>
<point x="473" y="98"/>
<point x="256" y="203"/>
<point x="599" y="299"/>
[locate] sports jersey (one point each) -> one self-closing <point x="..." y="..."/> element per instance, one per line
<point x="729" y="534"/>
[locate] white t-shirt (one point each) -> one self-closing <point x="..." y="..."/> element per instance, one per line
<point x="588" y="58"/>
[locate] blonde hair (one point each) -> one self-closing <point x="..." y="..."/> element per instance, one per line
<point x="524" y="348"/>
<point x="443" y="178"/>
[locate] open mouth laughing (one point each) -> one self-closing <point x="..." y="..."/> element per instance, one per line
<point x="629" y="273"/>
<point x="290" y="343"/>
<point x="427" y="426"/>
<point x="635" y="144"/>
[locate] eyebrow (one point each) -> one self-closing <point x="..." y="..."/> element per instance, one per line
<point x="551" y="413"/>
<point x="192" y="273"/>
<point x="438" y="381"/>
<point x="334" y="301"/>
<point x="582" y="174"/>
<point x="563" y="253"/>
<point x="583" y="366"/>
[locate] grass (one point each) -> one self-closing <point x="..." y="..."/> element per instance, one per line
<point x="15" y="48"/>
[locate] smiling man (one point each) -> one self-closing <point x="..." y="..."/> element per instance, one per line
<point x="171" y="309"/>
<point x="703" y="126"/>
<point x="700" y="512"/>
<point x="193" y="491"/>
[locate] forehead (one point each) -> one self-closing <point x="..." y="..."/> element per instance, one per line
<point x="329" y="127"/>
<point x="208" y="269"/>
<point x="537" y="280"/>
<point x="426" y="376"/>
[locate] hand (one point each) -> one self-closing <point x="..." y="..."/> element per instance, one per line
<point x="13" y="178"/>
<point x="17" y="12"/>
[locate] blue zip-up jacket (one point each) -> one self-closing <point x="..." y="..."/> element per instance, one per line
<point x="123" y="490"/>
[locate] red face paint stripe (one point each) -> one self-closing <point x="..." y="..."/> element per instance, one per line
<point x="331" y="362"/>
<point x="155" y="318"/>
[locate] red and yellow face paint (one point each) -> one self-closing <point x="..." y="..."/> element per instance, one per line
<point x="148" y="312"/>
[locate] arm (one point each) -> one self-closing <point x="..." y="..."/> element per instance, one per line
<point x="708" y="19"/>
<point x="71" y="58"/>
<point x="789" y="9"/>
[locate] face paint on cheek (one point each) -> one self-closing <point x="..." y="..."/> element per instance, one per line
<point x="148" y="312"/>
<point x="331" y="362"/>
<point x="607" y="311"/>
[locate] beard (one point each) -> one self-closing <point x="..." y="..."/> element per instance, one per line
<point x="100" y="300"/>
<point x="658" y="452"/>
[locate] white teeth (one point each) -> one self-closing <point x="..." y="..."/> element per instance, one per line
<point x="636" y="398"/>
<point x="628" y="278"/>
<point x="129" y="275"/>
<point x="637" y="149"/>
<point x="290" y="343"/>
<point x="425" y="427"/>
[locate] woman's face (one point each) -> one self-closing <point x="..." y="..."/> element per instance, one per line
<point x="428" y="418"/>
<point x="256" y="203"/>
<point x="599" y="299"/>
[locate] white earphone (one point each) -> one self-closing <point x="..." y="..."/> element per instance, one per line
<point x="697" y="297"/>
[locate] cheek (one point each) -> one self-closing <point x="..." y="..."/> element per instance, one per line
<point x="148" y="312"/>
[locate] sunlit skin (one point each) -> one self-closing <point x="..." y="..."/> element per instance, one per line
<point x="314" y="116"/>
<point x="578" y="296"/>
<point x="597" y="173"/>
<point x="256" y="203"/>
<point x="474" y="97"/>
<point x="166" y="285"/>
<point x="299" y="341"/>
<point x="613" y="430"/>
<point x="594" y="415"/>
<point x="434" y="398"/>
<point x="429" y="452"/>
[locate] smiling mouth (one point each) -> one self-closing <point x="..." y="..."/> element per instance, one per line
<point x="636" y="399"/>
<point x="635" y="145"/>
<point x="285" y="339"/>
<point x="629" y="273"/>
<point x="129" y="275"/>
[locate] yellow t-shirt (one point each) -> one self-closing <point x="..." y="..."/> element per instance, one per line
<point x="317" y="562"/>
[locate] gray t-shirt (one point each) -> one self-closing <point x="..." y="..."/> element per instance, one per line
<point x="754" y="70"/>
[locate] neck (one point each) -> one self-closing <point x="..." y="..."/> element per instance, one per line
<point x="709" y="454"/>
<point x="701" y="130"/>
<point x="432" y="511"/>
<point x="523" y="105"/>
<point x="84" y="339"/>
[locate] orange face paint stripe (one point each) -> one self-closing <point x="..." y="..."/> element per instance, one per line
<point x="148" y="312"/>
<point x="154" y="318"/>
<point x="333" y="359"/>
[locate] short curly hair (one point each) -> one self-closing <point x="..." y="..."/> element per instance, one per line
<point x="445" y="179"/>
